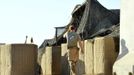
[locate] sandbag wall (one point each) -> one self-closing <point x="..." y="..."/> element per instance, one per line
<point x="51" y="61"/>
<point x="18" y="59"/>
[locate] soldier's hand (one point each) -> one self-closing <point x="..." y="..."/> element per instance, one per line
<point x="82" y="51"/>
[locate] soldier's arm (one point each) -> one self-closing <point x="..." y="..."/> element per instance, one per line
<point x="64" y="35"/>
<point x="81" y="44"/>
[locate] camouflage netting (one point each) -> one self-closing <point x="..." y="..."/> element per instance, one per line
<point x="91" y="19"/>
<point x="96" y="19"/>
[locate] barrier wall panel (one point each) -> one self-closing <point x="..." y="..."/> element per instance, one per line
<point x="56" y="60"/>
<point x="18" y="59"/>
<point x="89" y="57"/>
<point x="104" y="55"/>
<point x="65" y="70"/>
<point x="51" y="61"/>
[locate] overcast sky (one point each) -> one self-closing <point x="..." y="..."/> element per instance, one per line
<point x="37" y="18"/>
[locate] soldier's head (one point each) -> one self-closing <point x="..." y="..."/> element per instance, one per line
<point x="71" y="28"/>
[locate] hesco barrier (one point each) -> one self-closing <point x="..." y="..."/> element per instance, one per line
<point x="51" y="61"/>
<point x="65" y="70"/>
<point x="98" y="58"/>
<point x="89" y="57"/>
<point x="104" y="55"/>
<point x="18" y="59"/>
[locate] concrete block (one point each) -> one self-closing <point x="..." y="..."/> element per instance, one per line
<point x="89" y="57"/>
<point x="104" y="55"/>
<point x="18" y="59"/>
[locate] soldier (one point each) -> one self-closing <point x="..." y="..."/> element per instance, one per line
<point x="72" y="39"/>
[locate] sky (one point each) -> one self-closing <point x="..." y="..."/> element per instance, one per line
<point x="37" y="18"/>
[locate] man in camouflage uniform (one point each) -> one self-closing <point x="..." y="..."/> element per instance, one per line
<point x="73" y="51"/>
